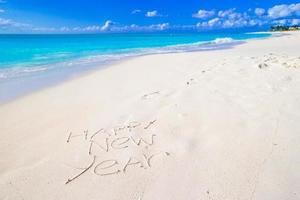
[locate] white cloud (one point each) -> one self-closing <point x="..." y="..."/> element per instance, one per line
<point x="64" y="29"/>
<point x="211" y="23"/>
<point x="11" y="23"/>
<point x="2" y="11"/>
<point x="281" y="21"/>
<point x="137" y="28"/>
<point x="136" y="11"/>
<point x="153" y="13"/>
<point x="43" y="29"/>
<point x="161" y="27"/>
<point x="145" y="28"/>
<point x="295" y="21"/>
<point x="76" y="29"/>
<point x="5" y="22"/>
<point x="203" y="14"/>
<point x="256" y="22"/>
<point x="95" y="28"/>
<point x="107" y="25"/>
<point x="259" y="11"/>
<point x="226" y="13"/>
<point x="284" y="10"/>
<point x="235" y="23"/>
<point x="279" y="11"/>
<point x="235" y="15"/>
<point x="286" y="22"/>
<point x="231" y="18"/>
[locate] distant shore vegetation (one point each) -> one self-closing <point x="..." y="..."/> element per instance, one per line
<point x="285" y="28"/>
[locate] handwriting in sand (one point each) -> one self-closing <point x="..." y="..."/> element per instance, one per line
<point x="116" y="141"/>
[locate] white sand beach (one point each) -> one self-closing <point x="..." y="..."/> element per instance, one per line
<point x="215" y="125"/>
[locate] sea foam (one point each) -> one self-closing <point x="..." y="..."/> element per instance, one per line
<point x="223" y="40"/>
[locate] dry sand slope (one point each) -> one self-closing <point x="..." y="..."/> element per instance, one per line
<point x="191" y="126"/>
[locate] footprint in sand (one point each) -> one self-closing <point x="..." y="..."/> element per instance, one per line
<point x="283" y="60"/>
<point x="263" y="65"/>
<point x="291" y="63"/>
<point x="288" y="78"/>
<point x="191" y="81"/>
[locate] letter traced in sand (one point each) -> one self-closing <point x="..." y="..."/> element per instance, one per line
<point x="96" y="133"/>
<point x="150" y="95"/>
<point x="117" y="129"/>
<point x="149" y="158"/>
<point x="139" y="141"/>
<point x="85" y="170"/>
<point x="106" y="164"/>
<point x="119" y="143"/>
<point x="133" y="125"/>
<point x="104" y="147"/>
<point x="150" y="123"/>
<point x="85" y="134"/>
<point x="132" y="161"/>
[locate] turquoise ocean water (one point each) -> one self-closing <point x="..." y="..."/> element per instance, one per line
<point x="28" y="62"/>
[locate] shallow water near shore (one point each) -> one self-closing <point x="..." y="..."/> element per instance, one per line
<point x="31" y="62"/>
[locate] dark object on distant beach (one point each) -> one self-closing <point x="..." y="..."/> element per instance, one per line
<point x="262" y="65"/>
<point x="284" y="28"/>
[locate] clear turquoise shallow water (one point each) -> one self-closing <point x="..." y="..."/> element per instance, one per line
<point x="31" y="56"/>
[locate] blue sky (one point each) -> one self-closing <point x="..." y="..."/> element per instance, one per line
<point x="77" y="16"/>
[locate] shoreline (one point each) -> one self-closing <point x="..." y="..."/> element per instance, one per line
<point x="223" y="124"/>
<point x="41" y="81"/>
